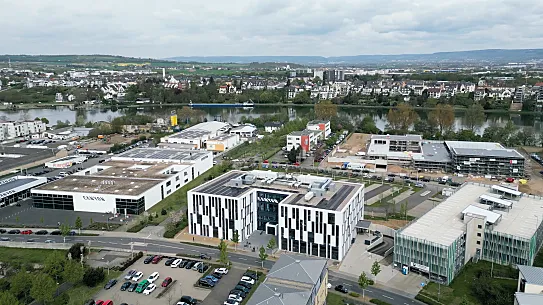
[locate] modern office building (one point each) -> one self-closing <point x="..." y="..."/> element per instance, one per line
<point x="482" y="158"/>
<point x="197" y="135"/>
<point x="308" y="214"/>
<point x="15" y="129"/>
<point x="293" y="280"/>
<point x="462" y="157"/>
<point x="131" y="184"/>
<point x="18" y="188"/>
<point x="320" y="125"/>
<point x="492" y="223"/>
<point x="306" y="140"/>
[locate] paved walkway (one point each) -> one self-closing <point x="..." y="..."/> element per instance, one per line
<point x="422" y="208"/>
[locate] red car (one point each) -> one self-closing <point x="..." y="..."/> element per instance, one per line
<point x="99" y="302"/>
<point x="26" y="232"/>
<point x="157" y="259"/>
<point x="108" y="302"/>
<point x="166" y="282"/>
<point x="510" y="180"/>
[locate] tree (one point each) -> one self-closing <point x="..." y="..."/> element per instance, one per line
<point x="78" y="224"/>
<point x="19" y="284"/>
<point x="293" y="155"/>
<point x="367" y="125"/>
<point x="43" y="288"/>
<point x="325" y="110"/>
<point x="443" y="117"/>
<point x="375" y="270"/>
<point x="235" y="239"/>
<point x="76" y="250"/>
<point x="54" y="264"/>
<point x="464" y="300"/>
<point x="223" y="253"/>
<point x="93" y="276"/>
<point x="302" y="98"/>
<point x="526" y="136"/>
<point x="403" y="210"/>
<point x="263" y="255"/>
<point x="363" y="282"/>
<point x="64" y="230"/>
<point x="271" y="244"/>
<point x="7" y="298"/>
<point x="402" y="117"/>
<point x="73" y="272"/>
<point x="474" y="117"/>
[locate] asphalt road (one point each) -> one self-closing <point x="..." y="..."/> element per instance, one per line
<point x="381" y="189"/>
<point x="161" y="246"/>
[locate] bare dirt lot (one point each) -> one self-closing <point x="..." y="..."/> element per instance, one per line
<point x="356" y="142"/>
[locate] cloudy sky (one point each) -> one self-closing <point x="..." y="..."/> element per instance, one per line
<point x="166" y="28"/>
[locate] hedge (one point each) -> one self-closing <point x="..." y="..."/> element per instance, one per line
<point x="131" y="261"/>
<point x="379" y="302"/>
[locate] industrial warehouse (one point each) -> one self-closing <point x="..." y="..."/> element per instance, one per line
<point x="18" y="188"/>
<point x="309" y="214"/>
<point x="492" y="223"/>
<point x="461" y="157"/>
<point x="128" y="184"/>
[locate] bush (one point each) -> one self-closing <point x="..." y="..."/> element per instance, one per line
<point x="163" y="212"/>
<point x="93" y="276"/>
<point x="137" y="227"/>
<point x="75" y="251"/>
<point x="379" y="302"/>
<point x="131" y="261"/>
<point x="371" y="282"/>
<point x="354" y="294"/>
<point x="175" y="227"/>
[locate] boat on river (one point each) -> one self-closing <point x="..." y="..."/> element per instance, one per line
<point x="248" y="104"/>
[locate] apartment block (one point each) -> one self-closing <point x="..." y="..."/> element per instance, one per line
<point x="12" y="130"/>
<point x="322" y="126"/>
<point x="306" y="140"/>
<point x="307" y="214"/>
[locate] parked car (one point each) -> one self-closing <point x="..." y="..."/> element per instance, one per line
<point x="212" y="278"/>
<point x="167" y="281"/>
<point x="206" y="283"/>
<point x="14" y="231"/>
<point x="189" y="264"/>
<point x="42" y="232"/>
<point x="242" y="294"/>
<point x="217" y="275"/>
<point x="251" y="274"/>
<point x="125" y="286"/>
<point x="56" y="232"/>
<point x="230" y="302"/>
<point x="153" y="277"/>
<point x="242" y="288"/>
<point x="205" y="256"/>
<point x="245" y="284"/>
<point x="132" y="287"/>
<point x="5" y="238"/>
<point x="148" y="259"/>
<point x="99" y="302"/>
<point x="196" y="266"/>
<point x="156" y="259"/>
<point x="187" y="299"/>
<point x="341" y="289"/>
<point x="2" y="231"/>
<point x="169" y="261"/>
<point x="149" y="289"/>
<point x="137" y="276"/>
<point x="176" y="263"/>
<point x="130" y="274"/>
<point x="203" y="268"/>
<point x="110" y="284"/>
<point x="248" y="280"/>
<point x="141" y="286"/>
<point x="108" y="302"/>
<point x="418" y="184"/>
<point x="235" y="297"/>
<point x="221" y="271"/>
<point x="183" y="263"/>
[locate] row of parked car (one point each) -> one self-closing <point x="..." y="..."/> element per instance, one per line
<point x="241" y="290"/>
<point x="40" y="232"/>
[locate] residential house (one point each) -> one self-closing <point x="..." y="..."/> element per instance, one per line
<point x="272" y="126"/>
<point x="306" y="140"/>
<point x="529" y="286"/>
<point x="244" y="131"/>
<point x="434" y="93"/>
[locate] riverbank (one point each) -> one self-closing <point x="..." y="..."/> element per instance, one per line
<point x="151" y="105"/>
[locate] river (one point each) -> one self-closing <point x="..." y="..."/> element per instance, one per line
<point x="234" y="115"/>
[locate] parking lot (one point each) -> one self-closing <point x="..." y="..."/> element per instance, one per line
<point x="183" y="284"/>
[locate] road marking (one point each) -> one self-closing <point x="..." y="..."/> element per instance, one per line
<point x="242" y="258"/>
<point x="386" y="296"/>
<point x="347" y="284"/>
<point x="368" y="290"/>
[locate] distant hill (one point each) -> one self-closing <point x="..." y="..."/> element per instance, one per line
<point x="76" y="59"/>
<point x="489" y="56"/>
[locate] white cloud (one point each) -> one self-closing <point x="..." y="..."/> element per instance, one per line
<point x="167" y="28"/>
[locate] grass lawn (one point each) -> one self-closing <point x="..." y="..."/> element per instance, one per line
<point x="388" y="199"/>
<point x="464" y="281"/>
<point x="79" y="294"/>
<point x="22" y="255"/>
<point x="338" y="299"/>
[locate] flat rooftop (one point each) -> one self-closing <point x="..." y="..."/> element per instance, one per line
<point x="433" y="151"/>
<point x="335" y="198"/>
<point x="482" y="149"/>
<point x="443" y="224"/>
<point x="103" y="185"/>
<point x="162" y="154"/>
<point x="15" y="157"/>
<point x="133" y="169"/>
<point x="13" y="182"/>
<point x="190" y="134"/>
<point x="302" y="133"/>
<point x="408" y="137"/>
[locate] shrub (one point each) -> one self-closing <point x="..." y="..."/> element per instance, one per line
<point x="354" y="294"/>
<point x="163" y="212"/>
<point x="75" y="251"/>
<point x="137" y="227"/>
<point x="371" y="282"/>
<point x="131" y="261"/>
<point x="175" y="227"/>
<point x="93" y="276"/>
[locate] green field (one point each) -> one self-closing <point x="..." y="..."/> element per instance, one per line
<point x="25" y="256"/>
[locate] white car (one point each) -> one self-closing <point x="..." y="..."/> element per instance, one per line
<point x="221" y="271"/>
<point x="137" y="276"/>
<point x="149" y="289"/>
<point x="328" y="285"/>
<point x="176" y="263"/>
<point x="181" y="303"/>
<point x="153" y="277"/>
<point x="247" y="279"/>
<point x="197" y="265"/>
<point x="235" y="297"/>
<point x="230" y="302"/>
